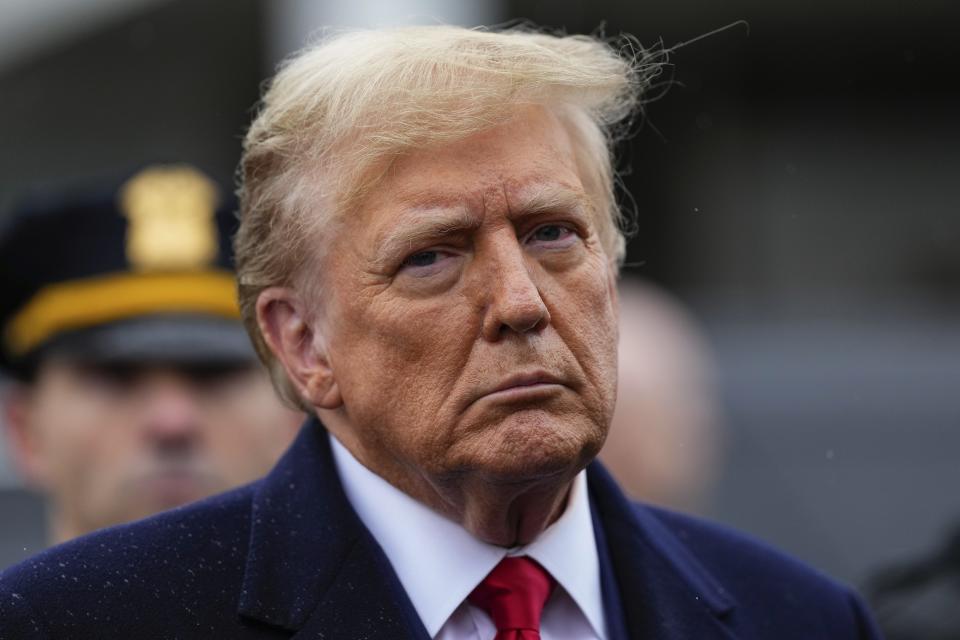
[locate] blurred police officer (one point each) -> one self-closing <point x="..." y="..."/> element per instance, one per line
<point x="134" y="386"/>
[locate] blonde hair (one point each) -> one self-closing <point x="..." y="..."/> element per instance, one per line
<point x="338" y="111"/>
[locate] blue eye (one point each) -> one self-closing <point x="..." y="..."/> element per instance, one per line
<point x="422" y="259"/>
<point x="549" y="233"/>
<point x="553" y="236"/>
<point x="429" y="263"/>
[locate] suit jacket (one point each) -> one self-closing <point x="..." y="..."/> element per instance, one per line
<point x="287" y="557"/>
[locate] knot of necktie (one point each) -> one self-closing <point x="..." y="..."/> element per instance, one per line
<point x="513" y="594"/>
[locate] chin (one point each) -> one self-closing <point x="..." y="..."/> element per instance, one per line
<point x="536" y="445"/>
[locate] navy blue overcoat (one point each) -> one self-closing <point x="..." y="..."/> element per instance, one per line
<point x="287" y="557"/>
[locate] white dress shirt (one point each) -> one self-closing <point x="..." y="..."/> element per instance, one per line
<point x="439" y="563"/>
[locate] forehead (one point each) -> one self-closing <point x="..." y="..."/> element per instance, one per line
<point x="526" y="157"/>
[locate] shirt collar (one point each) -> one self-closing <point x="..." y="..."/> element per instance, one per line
<point x="439" y="562"/>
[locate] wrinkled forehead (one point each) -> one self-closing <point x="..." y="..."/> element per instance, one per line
<point x="529" y="161"/>
<point x="526" y="140"/>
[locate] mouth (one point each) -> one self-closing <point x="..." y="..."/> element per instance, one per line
<point x="524" y="387"/>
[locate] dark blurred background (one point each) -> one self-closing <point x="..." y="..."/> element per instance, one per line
<point x="798" y="187"/>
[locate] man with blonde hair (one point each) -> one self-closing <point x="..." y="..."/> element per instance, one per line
<point x="427" y="262"/>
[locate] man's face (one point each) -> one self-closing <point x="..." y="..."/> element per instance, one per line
<point x="470" y="315"/>
<point x="112" y="443"/>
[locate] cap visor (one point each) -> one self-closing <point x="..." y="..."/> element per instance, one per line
<point x="166" y="338"/>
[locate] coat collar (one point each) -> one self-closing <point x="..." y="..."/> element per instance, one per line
<point x="313" y="566"/>
<point x="664" y="592"/>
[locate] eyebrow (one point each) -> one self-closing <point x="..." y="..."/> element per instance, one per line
<point x="432" y="221"/>
<point x="425" y="224"/>
<point x="547" y="198"/>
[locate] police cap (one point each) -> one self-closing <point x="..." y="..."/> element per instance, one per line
<point x="140" y="271"/>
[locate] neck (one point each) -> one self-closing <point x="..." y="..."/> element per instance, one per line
<point x="512" y="515"/>
<point x="506" y="513"/>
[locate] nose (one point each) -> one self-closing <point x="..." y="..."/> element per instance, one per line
<point x="171" y="418"/>
<point x="514" y="303"/>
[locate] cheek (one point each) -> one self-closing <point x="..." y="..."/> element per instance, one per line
<point x="67" y="422"/>
<point x="79" y="440"/>
<point x="587" y="319"/>
<point x="406" y="352"/>
<point x="249" y="428"/>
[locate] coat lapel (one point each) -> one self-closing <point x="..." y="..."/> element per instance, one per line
<point x="313" y="568"/>
<point x="664" y="592"/>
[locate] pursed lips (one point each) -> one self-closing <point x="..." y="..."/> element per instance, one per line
<point x="522" y="385"/>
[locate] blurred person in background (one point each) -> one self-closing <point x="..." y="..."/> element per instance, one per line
<point x="664" y="441"/>
<point x="134" y="386"/>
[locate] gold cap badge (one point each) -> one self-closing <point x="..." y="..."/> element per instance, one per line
<point x="171" y="213"/>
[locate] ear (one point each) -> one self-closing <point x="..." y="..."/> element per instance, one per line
<point x="296" y="342"/>
<point x="24" y="443"/>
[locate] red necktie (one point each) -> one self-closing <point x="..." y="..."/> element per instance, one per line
<point x="514" y="594"/>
